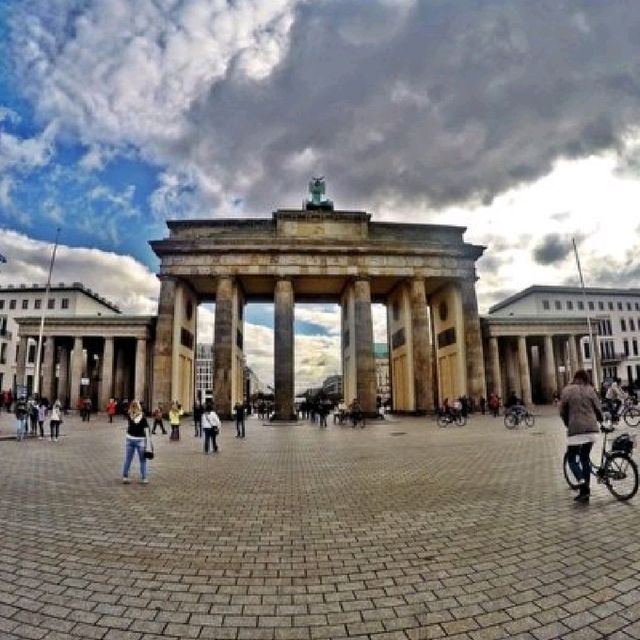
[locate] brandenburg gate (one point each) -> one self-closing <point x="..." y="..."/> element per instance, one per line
<point x="425" y="274"/>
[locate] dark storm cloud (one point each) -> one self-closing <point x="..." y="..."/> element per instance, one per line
<point x="551" y="249"/>
<point x="449" y="102"/>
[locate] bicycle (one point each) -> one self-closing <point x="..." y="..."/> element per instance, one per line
<point x="445" y="418"/>
<point x="616" y="469"/>
<point x="518" y="415"/>
<point x="628" y="412"/>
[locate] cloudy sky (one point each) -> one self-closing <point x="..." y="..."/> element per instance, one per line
<point x="519" y="120"/>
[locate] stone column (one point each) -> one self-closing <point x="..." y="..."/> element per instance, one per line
<point x="476" y="385"/>
<point x="549" y="374"/>
<point x="558" y="356"/>
<point x="284" y="351"/>
<point x="523" y="365"/>
<point x="63" y="374"/>
<point x="76" y="371"/>
<point x="106" y="375"/>
<point x="140" y="376"/>
<point x="223" y="348"/>
<point x="422" y="382"/>
<point x="513" y="379"/>
<point x="119" y="373"/>
<point x="48" y="368"/>
<point x="163" y="346"/>
<point x="21" y="362"/>
<point x="366" y="386"/>
<point x="494" y="364"/>
<point x="573" y="356"/>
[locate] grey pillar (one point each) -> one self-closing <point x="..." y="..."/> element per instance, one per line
<point x="119" y="372"/>
<point x="476" y="385"/>
<point x="523" y="366"/>
<point x="573" y="355"/>
<point x="549" y="375"/>
<point x="76" y="371"/>
<point x="163" y="346"/>
<point x="140" y="376"/>
<point x="494" y="363"/>
<point x="366" y="386"/>
<point x="284" y="351"/>
<point x="62" y="391"/>
<point x="422" y="381"/>
<point x="21" y="362"/>
<point x="223" y="348"/>
<point x="48" y="368"/>
<point x="106" y="375"/>
<point x="513" y="379"/>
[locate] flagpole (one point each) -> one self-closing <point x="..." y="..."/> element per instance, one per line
<point x="45" y="304"/>
<point x="594" y="354"/>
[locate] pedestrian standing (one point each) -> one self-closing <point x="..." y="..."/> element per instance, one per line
<point x="210" y="427"/>
<point x="22" y="415"/>
<point x="136" y="441"/>
<point x="43" y="409"/>
<point x="239" y="411"/>
<point x="174" y="420"/>
<point x="157" y="421"/>
<point x="198" y="411"/>
<point x="112" y="407"/>
<point x="33" y="416"/>
<point x="580" y="412"/>
<point x="55" y="420"/>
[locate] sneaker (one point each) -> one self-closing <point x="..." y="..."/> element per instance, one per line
<point x="55" y="439"/>
<point x="40" y="438"/>
<point x="582" y="497"/>
<point x="144" y="481"/>
<point x="125" y="480"/>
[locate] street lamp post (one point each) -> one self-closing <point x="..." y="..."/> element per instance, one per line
<point x="45" y="304"/>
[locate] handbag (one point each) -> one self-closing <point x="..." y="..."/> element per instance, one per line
<point x="148" y="449"/>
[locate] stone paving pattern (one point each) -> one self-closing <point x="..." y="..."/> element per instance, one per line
<point x="400" y="530"/>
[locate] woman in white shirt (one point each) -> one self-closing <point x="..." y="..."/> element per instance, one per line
<point x="210" y="423"/>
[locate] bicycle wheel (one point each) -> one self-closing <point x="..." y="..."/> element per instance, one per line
<point x="632" y="417"/>
<point x="443" y="421"/>
<point x="621" y="475"/>
<point x="510" y="420"/>
<point x="460" y="420"/>
<point x="529" y="419"/>
<point x="568" y="474"/>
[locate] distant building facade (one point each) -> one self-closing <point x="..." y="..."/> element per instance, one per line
<point x="383" y="372"/>
<point x="332" y="386"/>
<point x="64" y="301"/>
<point x="204" y="372"/>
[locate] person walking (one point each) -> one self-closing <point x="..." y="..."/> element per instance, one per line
<point x="198" y="411"/>
<point x="157" y="421"/>
<point x="22" y="416"/>
<point x="494" y="404"/>
<point x="43" y="409"/>
<point x="112" y="407"/>
<point x="32" y="409"/>
<point x="210" y="427"/>
<point x="55" y="421"/>
<point x="580" y="413"/>
<point x="174" y="420"/>
<point x="239" y="411"/>
<point x="136" y="440"/>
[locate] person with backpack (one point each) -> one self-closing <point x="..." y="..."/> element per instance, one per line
<point x="136" y="442"/>
<point x="210" y="425"/>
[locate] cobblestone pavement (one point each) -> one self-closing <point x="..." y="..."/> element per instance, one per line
<point x="400" y="530"/>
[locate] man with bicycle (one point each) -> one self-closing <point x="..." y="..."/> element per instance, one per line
<point x="580" y="412"/>
<point x="614" y="397"/>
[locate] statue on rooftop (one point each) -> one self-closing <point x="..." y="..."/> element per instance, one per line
<point x="317" y="199"/>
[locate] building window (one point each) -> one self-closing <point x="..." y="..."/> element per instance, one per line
<point x="591" y="305"/>
<point x="587" y="351"/>
<point x="623" y="324"/>
<point x="558" y="305"/>
<point x="628" y="306"/>
<point x="611" y="306"/>
<point x="12" y="304"/>
<point x="619" y="306"/>
<point x="634" y="344"/>
<point x="625" y="346"/>
<point x="65" y="303"/>
<point x="51" y="304"/>
<point x="601" y="306"/>
<point x="545" y="305"/>
<point x="637" y="306"/>
<point x="25" y="304"/>
<point x="569" y="305"/>
<point x="632" y="324"/>
<point x="37" y="304"/>
<point x="580" y="305"/>
<point x="1" y="304"/>
<point x="31" y="354"/>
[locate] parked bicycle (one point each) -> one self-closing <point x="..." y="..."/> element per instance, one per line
<point x="616" y="469"/>
<point x="446" y="418"/>
<point x="515" y="416"/>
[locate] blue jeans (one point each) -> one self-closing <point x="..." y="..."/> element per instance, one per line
<point x="131" y="447"/>
<point x="210" y="435"/>
<point x="240" y="428"/>
<point x="580" y="462"/>
<point x="21" y="428"/>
